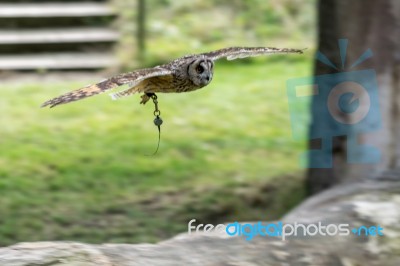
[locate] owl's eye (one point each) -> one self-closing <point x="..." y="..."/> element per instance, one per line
<point x="199" y="69"/>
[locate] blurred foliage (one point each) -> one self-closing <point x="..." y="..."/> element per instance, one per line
<point x="175" y="28"/>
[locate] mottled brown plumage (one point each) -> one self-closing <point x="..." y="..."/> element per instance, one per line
<point x="184" y="74"/>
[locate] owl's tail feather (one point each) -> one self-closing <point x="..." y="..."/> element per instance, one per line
<point x="87" y="91"/>
<point x="117" y="95"/>
<point x="127" y="92"/>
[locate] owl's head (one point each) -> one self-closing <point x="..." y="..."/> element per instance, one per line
<point x="200" y="71"/>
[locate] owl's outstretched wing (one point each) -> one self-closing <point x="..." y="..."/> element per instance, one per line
<point x="132" y="78"/>
<point x="232" y="53"/>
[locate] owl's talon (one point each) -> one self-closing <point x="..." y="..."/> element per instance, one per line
<point x="145" y="99"/>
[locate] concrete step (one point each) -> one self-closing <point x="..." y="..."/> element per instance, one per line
<point x="29" y="10"/>
<point x="57" y="61"/>
<point x="64" y="35"/>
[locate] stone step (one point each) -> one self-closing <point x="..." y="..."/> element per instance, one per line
<point x="57" y="61"/>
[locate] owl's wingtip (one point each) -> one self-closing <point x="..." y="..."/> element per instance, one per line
<point x="49" y="104"/>
<point x="298" y="51"/>
<point x="45" y="104"/>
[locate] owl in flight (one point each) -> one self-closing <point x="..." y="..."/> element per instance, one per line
<point x="188" y="73"/>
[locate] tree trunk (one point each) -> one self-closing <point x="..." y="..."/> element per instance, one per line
<point x="141" y="30"/>
<point x="366" y="24"/>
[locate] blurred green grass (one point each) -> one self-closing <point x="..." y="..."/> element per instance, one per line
<point x="80" y="171"/>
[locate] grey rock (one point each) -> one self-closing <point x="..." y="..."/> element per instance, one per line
<point x="373" y="202"/>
